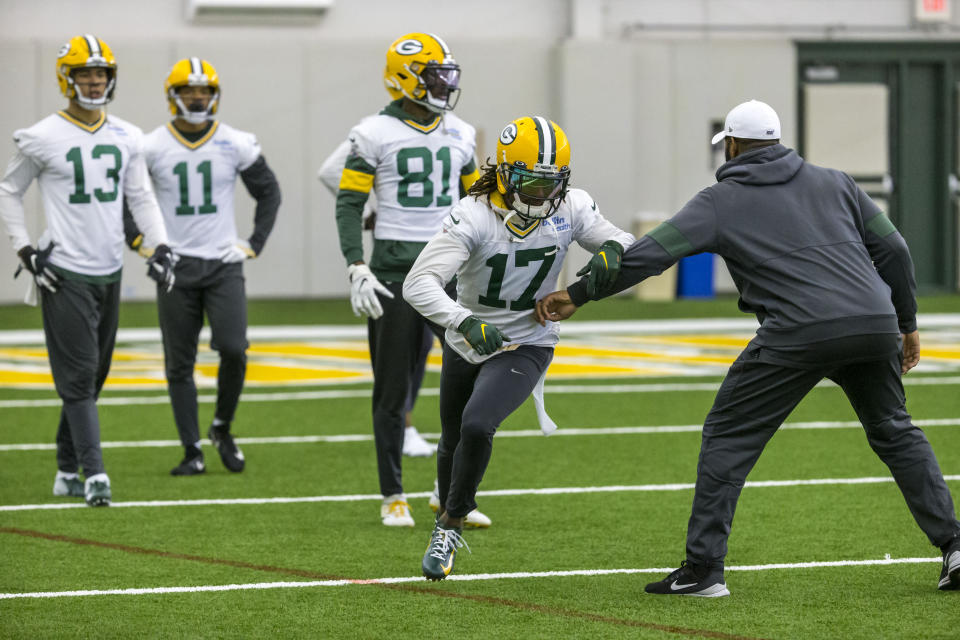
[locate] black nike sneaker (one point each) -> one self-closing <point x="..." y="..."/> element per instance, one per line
<point x="950" y="574"/>
<point x="691" y="580"/>
<point x="191" y="465"/>
<point x="438" y="559"/>
<point x="231" y="455"/>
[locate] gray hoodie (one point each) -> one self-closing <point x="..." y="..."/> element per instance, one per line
<point x="811" y="255"/>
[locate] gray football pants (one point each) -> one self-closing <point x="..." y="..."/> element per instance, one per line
<point x="474" y="400"/>
<point x="216" y="289"/>
<point x="80" y="325"/>
<point x="761" y="389"/>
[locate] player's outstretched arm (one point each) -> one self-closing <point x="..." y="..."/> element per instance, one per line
<point x="555" y="307"/>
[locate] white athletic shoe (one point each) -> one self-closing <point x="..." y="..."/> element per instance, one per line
<point x="96" y="490"/>
<point x="67" y="484"/>
<point x="415" y="446"/>
<point x="395" y="511"/>
<point x="475" y="519"/>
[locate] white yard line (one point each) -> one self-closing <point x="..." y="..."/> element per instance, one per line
<point x="506" y="433"/>
<point x="333" y="394"/>
<point x="549" y="491"/>
<point x="457" y="577"/>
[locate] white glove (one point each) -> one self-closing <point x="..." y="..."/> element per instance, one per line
<point x="364" y="288"/>
<point x="238" y="252"/>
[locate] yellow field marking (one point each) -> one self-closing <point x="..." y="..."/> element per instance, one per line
<point x="258" y="372"/>
<point x="24" y="353"/>
<point x="944" y="353"/>
<point x="40" y="379"/>
<point x="573" y="370"/>
<point x="704" y="341"/>
<point x="334" y="362"/>
<point x="599" y="352"/>
<point x="306" y="350"/>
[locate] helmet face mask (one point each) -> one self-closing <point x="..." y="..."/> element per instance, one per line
<point x="193" y="72"/>
<point x="533" y="167"/>
<point x="533" y="194"/>
<point x="441" y="86"/>
<point x="421" y="68"/>
<point x="85" y="52"/>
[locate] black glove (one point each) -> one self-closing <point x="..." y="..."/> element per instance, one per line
<point x="37" y="263"/>
<point x="484" y="338"/>
<point x="603" y="268"/>
<point x="160" y="266"/>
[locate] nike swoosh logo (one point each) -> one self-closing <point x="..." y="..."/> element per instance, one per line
<point x="455" y="221"/>
<point x="594" y="206"/>
<point x="449" y="566"/>
<point x="512" y="370"/>
<point x="483" y="332"/>
<point x="604" y="256"/>
<point x="677" y="587"/>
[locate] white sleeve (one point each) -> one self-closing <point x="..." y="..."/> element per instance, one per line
<point x="248" y="150"/>
<point x="332" y="168"/>
<point x="20" y="173"/>
<point x="138" y="192"/>
<point x="592" y="229"/>
<point x="434" y="268"/>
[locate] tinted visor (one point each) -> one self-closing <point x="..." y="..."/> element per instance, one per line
<point x="441" y="79"/>
<point x="534" y="185"/>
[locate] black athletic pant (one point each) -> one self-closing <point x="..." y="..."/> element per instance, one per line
<point x="419" y="370"/>
<point x="216" y="289"/>
<point x="474" y="400"/>
<point x="80" y="325"/>
<point x="761" y="389"/>
<point x="395" y="340"/>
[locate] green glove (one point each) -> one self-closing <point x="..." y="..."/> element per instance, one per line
<point x="603" y="268"/>
<point x="484" y="338"/>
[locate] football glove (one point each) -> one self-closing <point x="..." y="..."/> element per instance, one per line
<point x="364" y="288"/>
<point x="37" y="263"/>
<point x="238" y="252"/>
<point x="160" y="266"/>
<point x="484" y="338"/>
<point x="603" y="268"/>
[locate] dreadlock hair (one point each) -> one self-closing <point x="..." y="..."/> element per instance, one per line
<point x="486" y="183"/>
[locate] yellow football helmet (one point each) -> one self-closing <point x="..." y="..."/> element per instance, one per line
<point x="533" y="166"/>
<point x="85" y="51"/>
<point x="192" y="72"/>
<point x="421" y="67"/>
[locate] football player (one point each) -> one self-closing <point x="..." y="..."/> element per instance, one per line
<point x="505" y="244"/>
<point x="414" y="444"/>
<point x="86" y="163"/>
<point x="194" y="162"/>
<point x="329" y="174"/>
<point x="417" y="157"/>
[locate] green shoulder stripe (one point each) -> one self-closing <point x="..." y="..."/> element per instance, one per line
<point x="672" y="241"/>
<point x="469" y="168"/>
<point x="880" y="224"/>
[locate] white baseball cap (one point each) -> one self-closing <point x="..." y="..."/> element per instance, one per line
<point x="754" y="120"/>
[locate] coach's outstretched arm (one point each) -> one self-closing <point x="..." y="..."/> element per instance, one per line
<point x="692" y="230"/>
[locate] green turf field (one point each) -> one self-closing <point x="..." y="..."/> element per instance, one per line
<point x="292" y="546"/>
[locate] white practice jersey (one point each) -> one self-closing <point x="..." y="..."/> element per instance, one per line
<point x="418" y="169"/>
<point x="84" y="173"/>
<point x="195" y="182"/>
<point x="500" y="275"/>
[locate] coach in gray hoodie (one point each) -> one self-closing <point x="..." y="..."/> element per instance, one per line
<point x="831" y="282"/>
